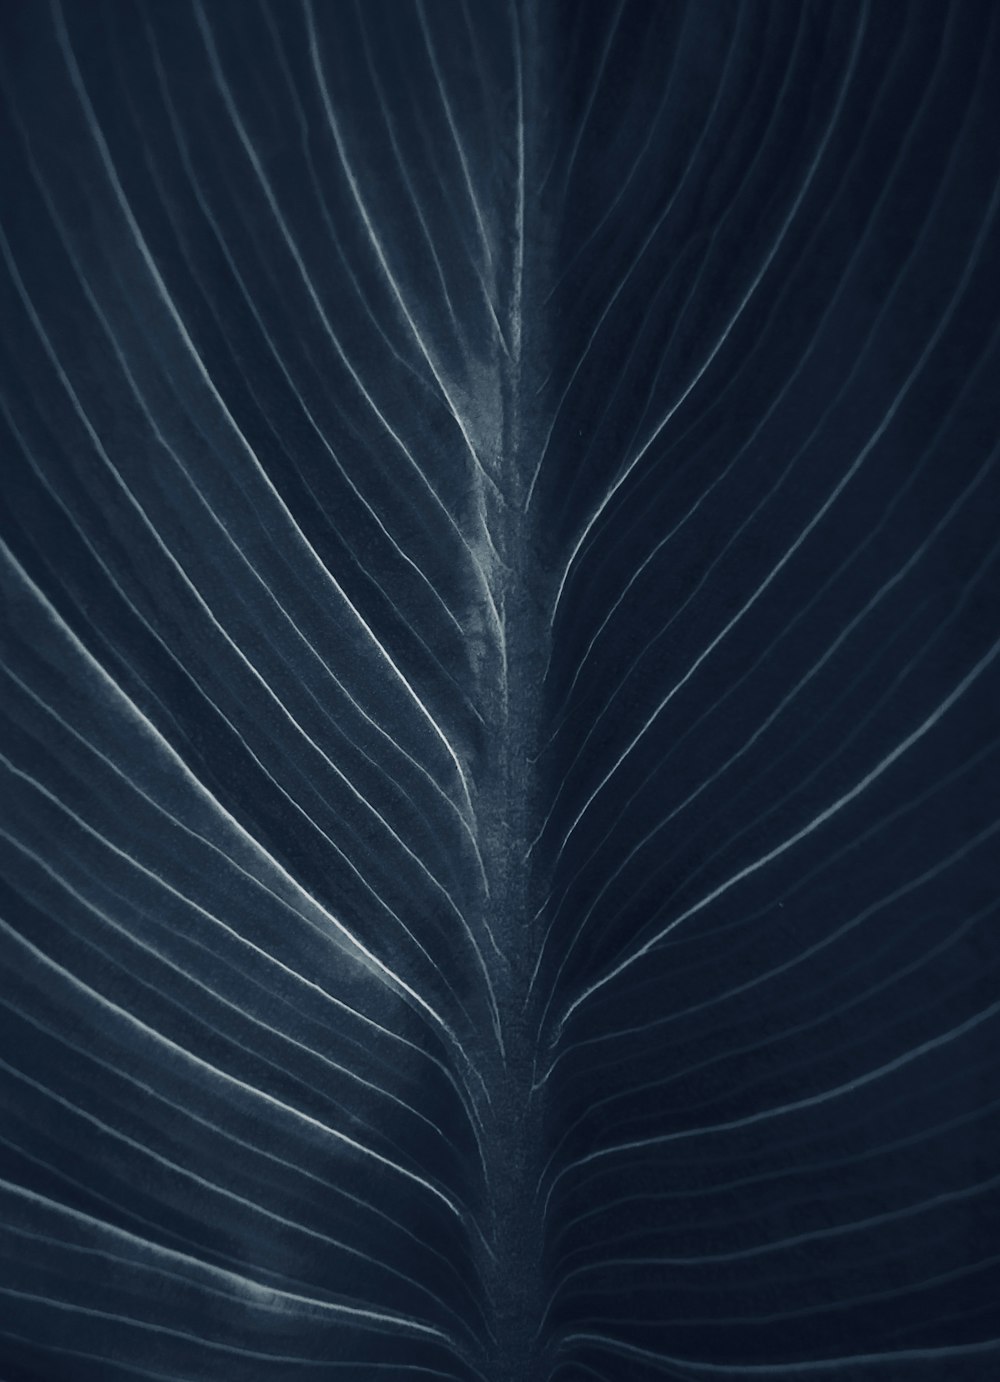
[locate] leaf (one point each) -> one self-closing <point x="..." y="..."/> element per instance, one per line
<point x="500" y="660"/>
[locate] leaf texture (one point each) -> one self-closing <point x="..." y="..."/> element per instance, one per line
<point x="500" y="661"/>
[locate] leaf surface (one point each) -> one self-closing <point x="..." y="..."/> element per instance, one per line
<point x="500" y="662"/>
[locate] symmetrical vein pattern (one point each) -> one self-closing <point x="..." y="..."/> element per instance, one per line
<point x="500" y="658"/>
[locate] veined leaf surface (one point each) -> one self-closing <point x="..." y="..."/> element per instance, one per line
<point x="500" y="662"/>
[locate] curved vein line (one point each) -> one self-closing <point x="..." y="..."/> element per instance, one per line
<point x="795" y="1106"/>
<point x="224" y="1077"/>
<point x="370" y="960"/>
<point x="477" y="210"/>
<point x="849" y="628"/>
<point x="250" y="300"/>
<point x="189" y="584"/>
<point x="831" y="499"/>
<point x="164" y="958"/>
<point x="154" y="272"/>
<point x="631" y="464"/>
<point x="369" y="226"/>
<point x="246" y="1289"/>
<point x="891" y="1356"/>
<point x="817" y="821"/>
